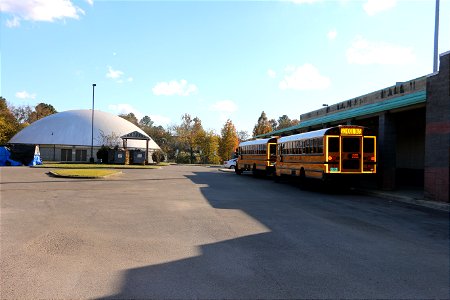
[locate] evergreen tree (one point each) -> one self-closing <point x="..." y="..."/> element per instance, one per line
<point x="262" y="126"/>
<point x="130" y="118"/>
<point x="41" y="110"/>
<point x="284" y="122"/>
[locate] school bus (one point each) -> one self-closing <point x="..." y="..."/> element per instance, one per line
<point x="258" y="156"/>
<point x="327" y="153"/>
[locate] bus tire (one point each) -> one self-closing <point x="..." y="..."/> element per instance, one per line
<point x="254" y="171"/>
<point x="237" y="170"/>
<point x="275" y="177"/>
<point x="302" y="178"/>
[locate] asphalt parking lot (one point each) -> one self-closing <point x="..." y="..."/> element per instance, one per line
<point x="195" y="232"/>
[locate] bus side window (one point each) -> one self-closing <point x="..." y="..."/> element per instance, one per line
<point x="369" y="145"/>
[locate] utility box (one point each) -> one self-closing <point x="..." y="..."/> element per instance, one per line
<point x="137" y="157"/>
<point x="119" y="156"/>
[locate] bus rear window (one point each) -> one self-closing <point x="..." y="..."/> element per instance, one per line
<point x="273" y="149"/>
<point x="350" y="144"/>
<point x="333" y="144"/>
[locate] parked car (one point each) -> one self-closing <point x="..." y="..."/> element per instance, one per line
<point x="230" y="164"/>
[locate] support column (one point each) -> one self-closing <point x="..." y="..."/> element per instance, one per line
<point x="387" y="140"/>
<point x="437" y="133"/>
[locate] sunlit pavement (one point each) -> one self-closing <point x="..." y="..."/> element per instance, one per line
<point x="197" y="232"/>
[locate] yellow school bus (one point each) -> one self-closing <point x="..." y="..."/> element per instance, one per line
<point x="258" y="156"/>
<point x="327" y="153"/>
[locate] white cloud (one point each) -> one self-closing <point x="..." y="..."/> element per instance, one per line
<point x="227" y="106"/>
<point x="160" y="120"/>
<point x="25" y="95"/>
<point x="14" y="22"/>
<point x="90" y="2"/>
<point x="373" y="7"/>
<point x="174" y="87"/>
<point x="39" y="10"/>
<point x="306" y="77"/>
<point x="113" y="74"/>
<point x="125" y="108"/>
<point x="332" y="34"/>
<point x="364" y="52"/>
<point x="271" y="73"/>
<point x="117" y="75"/>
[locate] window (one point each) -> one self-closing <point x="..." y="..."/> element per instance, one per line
<point x="66" y="154"/>
<point x="80" y="155"/>
<point x="351" y="144"/>
<point x="320" y="145"/>
<point x="333" y="144"/>
<point x="369" y="145"/>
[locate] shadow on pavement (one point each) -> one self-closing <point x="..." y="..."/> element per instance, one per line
<point x="318" y="245"/>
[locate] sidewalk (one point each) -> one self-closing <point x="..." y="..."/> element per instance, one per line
<point x="407" y="195"/>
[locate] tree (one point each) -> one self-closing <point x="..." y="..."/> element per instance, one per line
<point x="262" y="126"/>
<point x="209" y="148"/>
<point x="146" y="122"/>
<point x="8" y="123"/>
<point x="41" y="110"/>
<point x="130" y="118"/>
<point x="284" y="122"/>
<point x="189" y="134"/>
<point x="22" y="113"/>
<point x="110" y="140"/>
<point x="228" y="141"/>
<point x="243" y="135"/>
<point x="273" y="124"/>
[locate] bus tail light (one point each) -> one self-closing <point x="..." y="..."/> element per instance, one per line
<point x="372" y="158"/>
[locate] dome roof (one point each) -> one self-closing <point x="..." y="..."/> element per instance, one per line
<point x="73" y="128"/>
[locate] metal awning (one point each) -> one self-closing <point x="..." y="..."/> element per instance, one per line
<point x="366" y="110"/>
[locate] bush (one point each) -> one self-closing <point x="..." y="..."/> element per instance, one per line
<point x="183" y="158"/>
<point x="102" y="154"/>
<point x="158" y="156"/>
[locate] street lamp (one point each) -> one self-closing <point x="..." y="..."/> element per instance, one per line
<point x="436" y="38"/>
<point x="92" y="127"/>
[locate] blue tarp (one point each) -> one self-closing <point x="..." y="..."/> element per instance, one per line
<point x="5" y="156"/>
<point x="5" y="159"/>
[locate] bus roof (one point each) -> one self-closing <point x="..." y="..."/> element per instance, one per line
<point x="255" y="142"/>
<point x="305" y="135"/>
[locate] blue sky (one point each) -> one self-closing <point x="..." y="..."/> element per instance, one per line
<point x="212" y="59"/>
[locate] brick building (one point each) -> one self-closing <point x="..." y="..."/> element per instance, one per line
<point x="412" y="121"/>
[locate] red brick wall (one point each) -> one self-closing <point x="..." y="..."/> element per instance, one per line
<point x="437" y="136"/>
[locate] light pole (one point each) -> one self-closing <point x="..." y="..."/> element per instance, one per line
<point x="92" y="127"/>
<point x="436" y="38"/>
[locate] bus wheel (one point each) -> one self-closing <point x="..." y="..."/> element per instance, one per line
<point x="254" y="171"/>
<point x="275" y="177"/>
<point x="237" y="170"/>
<point x="302" y="178"/>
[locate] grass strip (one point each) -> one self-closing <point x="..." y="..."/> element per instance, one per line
<point x="84" y="173"/>
<point x="95" y="166"/>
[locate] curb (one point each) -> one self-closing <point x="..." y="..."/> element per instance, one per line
<point x="83" y="177"/>
<point x="226" y="170"/>
<point x="444" y="207"/>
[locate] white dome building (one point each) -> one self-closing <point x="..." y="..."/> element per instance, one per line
<point x="66" y="136"/>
